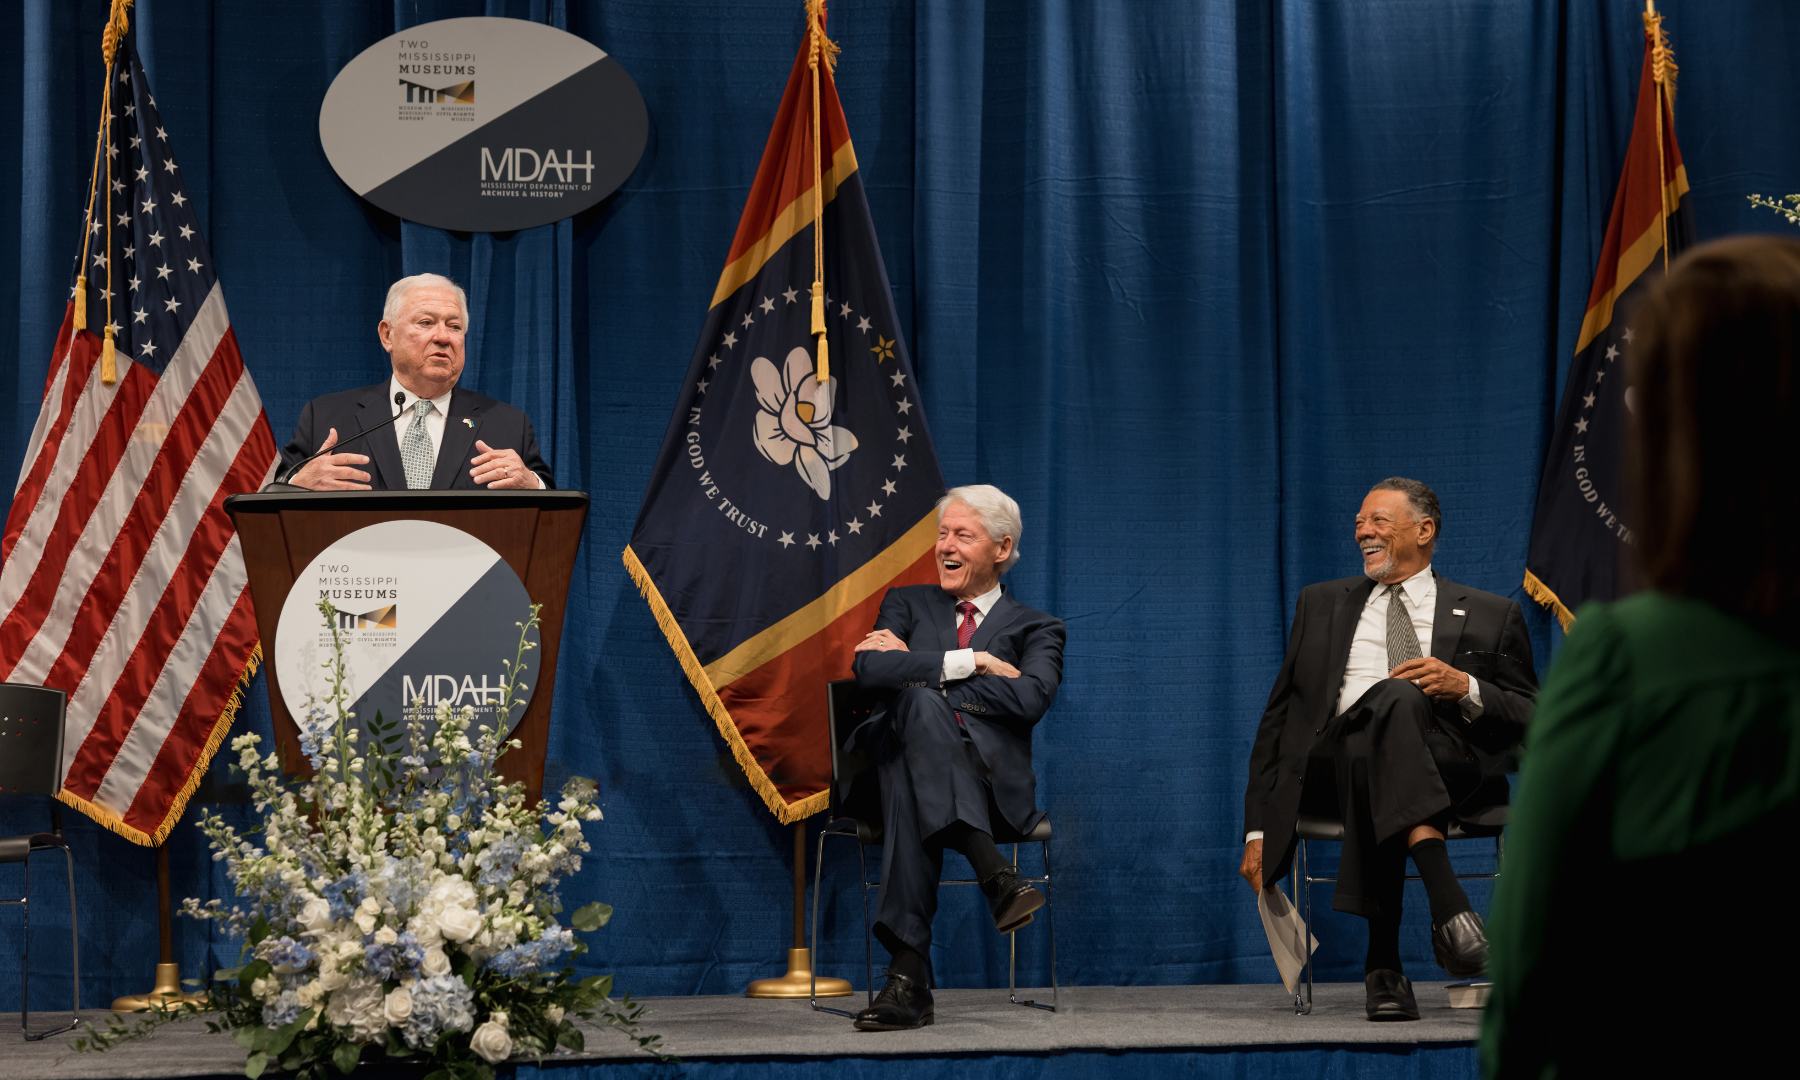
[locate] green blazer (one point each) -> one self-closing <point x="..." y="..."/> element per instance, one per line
<point x="1658" y="786"/>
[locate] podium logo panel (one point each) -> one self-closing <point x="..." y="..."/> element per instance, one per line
<point x="427" y="614"/>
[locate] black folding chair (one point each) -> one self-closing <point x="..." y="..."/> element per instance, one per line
<point x="1486" y="822"/>
<point x="31" y="741"/>
<point x="856" y="813"/>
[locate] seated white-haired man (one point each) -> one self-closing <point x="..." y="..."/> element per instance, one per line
<point x="965" y="671"/>
<point x="454" y="438"/>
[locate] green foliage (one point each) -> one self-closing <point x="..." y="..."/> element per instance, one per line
<point x="591" y="917"/>
<point x="1788" y="206"/>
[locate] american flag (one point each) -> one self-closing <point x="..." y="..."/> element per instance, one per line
<point x="122" y="579"/>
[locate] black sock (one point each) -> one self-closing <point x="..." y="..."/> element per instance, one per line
<point x="976" y="846"/>
<point x="1384" y="943"/>
<point x="1445" y="893"/>
<point x="912" y="964"/>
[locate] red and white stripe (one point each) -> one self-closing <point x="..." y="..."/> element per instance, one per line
<point x="123" y="582"/>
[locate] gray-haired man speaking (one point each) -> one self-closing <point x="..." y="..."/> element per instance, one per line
<point x="965" y="671"/>
<point x="446" y="436"/>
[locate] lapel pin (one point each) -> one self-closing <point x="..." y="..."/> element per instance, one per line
<point x="471" y="423"/>
<point x="1456" y="611"/>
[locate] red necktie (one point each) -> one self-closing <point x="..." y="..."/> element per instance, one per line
<point x="965" y="632"/>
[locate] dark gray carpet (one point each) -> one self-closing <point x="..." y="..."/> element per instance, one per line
<point x="968" y="1021"/>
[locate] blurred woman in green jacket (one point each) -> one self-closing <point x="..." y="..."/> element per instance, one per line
<point x="1657" y="798"/>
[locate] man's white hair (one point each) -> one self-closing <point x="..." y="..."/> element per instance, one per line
<point x="390" y="311"/>
<point x="998" y="512"/>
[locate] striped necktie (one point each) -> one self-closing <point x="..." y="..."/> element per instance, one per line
<point x="1402" y="639"/>
<point x="415" y="449"/>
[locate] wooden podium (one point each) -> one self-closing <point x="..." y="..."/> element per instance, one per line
<point x="536" y="532"/>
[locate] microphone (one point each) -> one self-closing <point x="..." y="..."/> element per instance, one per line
<point x="277" y="486"/>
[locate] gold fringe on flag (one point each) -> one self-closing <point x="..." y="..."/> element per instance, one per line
<point x="215" y="739"/>
<point x="1541" y="592"/>
<point x="785" y="812"/>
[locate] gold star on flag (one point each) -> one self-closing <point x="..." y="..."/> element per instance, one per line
<point x="883" y="349"/>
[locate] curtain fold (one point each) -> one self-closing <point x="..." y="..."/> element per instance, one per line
<point x="1184" y="278"/>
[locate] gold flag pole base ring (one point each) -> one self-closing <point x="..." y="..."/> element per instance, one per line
<point x="167" y="993"/>
<point x="798" y="982"/>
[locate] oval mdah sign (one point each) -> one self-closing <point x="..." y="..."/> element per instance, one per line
<point x="483" y="124"/>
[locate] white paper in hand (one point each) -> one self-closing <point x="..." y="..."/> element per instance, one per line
<point x="1286" y="931"/>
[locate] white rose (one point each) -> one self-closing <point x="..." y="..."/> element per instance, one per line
<point x="370" y="905"/>
<point x="492" y="1042"/>
<point x="316" y="915"/>
<point x="459" y="923"/>
<point x="386" y="936"/>
<point x="397" y="1006"/>
<point x="554" y="1014"/>
<point x="332" y="979"/>
<point x="264" y="989"/>
<point x="310" y="993"/>
<point x="365" y="922"/>
<point x="436" y="962"/>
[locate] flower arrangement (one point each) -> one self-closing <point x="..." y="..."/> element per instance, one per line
<point x="401" y="907"/>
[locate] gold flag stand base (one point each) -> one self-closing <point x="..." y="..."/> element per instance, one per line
<point x="167" y="993"/>
<point x="799" y="981"/>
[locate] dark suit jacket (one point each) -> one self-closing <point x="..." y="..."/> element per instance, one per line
<point x="498" y="424"/>
<point x="1487" y="641"/>
<point x="999" y="711"/>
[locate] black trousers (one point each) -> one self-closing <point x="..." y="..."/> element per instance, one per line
<point x="932" y="777"/>
<point x="1386" y="764"/>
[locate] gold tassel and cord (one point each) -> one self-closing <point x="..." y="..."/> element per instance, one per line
<point x="116" y="27"/>
<point x="821" y="47"/>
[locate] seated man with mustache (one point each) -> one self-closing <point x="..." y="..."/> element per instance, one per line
<point x="1395" y="737"/>
<point x="964" y="671"/>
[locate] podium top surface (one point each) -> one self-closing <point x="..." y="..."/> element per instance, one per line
<point x="403" y="501"/>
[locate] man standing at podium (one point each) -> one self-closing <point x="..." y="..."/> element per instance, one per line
<point x="446" y="437"/>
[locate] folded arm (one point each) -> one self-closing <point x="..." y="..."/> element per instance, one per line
<point x="893" y="668"/>
<point x="1023" y="698"/>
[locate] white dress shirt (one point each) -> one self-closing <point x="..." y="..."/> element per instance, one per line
<point x="960" y="663"/>
<point x="1368" y="663"/>
<point x="434" y="424"/>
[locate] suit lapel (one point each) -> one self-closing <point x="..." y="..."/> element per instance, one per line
<point x="460" y="430"/>
<point x="1446" y="626"/>
<point x="1344" y="618"/>
<point x="386" y="469"/>
<point x="1004" y="611"/>
<point x="944" y="617"/>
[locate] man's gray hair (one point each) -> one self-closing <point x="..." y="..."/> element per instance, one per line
<point x="997" y="511"/>
<point x="1422" y="499"/>
<point x="390" y="311"/>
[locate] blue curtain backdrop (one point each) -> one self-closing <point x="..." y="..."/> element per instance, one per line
<point x="1184" y="277"/>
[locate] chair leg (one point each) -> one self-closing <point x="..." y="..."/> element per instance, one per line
<point x="818" y="895"/>
<point x="1303" y="884"/>
<point x="25" y="957"/>
<point x="75" y="956"/>
<point x="862" y="861"/>
<point x="1050" y="918"/>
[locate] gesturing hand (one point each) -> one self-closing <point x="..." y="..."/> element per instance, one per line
<point x="333" y="472"/>
<point x="988" y="664"/>
<point x="1436" y="678"/>
<point x="501" y="469"/>
<point x="881" y="641"/>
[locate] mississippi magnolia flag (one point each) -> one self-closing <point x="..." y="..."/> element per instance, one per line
<point x="123" y="583"/>
<point x="778" y="514"/>
<point x="1582" y="530"/>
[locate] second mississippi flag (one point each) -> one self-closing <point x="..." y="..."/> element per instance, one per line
<point x="780" y="511"/>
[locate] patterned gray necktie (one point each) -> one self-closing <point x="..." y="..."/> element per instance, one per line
<point x="418" y="457"/>
<point x="1402" y="639"/>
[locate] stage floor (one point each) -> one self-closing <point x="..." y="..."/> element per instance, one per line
<point x="1092" y="1018"/>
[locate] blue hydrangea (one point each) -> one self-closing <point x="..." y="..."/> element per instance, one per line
<point x="282" y="1011"/>
<point x="540" y="955"/>
<point x="403" y="957"/>
<point x="440" y="1003"/>
<point x="345" y="893"/>
<point x="286" y="951"/>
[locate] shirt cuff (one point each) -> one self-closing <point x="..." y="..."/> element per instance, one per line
<point x="1253" y="834"/>
<point x="958" y="664"/>
<point x="543" y="481"/>
<point x="1471" y="702"/>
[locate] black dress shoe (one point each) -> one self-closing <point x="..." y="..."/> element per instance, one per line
<point x="1460" y="945"/>
<point x="1390" y="996"/>
<point x="902" y="1005"/>
<point x="1010" y="900"/>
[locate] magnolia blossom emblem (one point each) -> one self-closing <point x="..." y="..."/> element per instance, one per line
<point x="793" y="421"/>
